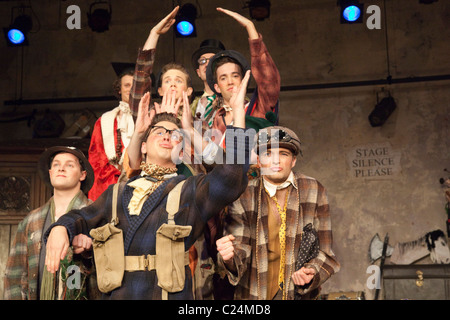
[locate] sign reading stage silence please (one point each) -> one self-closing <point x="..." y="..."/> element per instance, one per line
<point x="373" y="161"/>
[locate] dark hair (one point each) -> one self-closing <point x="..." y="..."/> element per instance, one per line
<point x="118" y="82"/>
<point x="221" y="61"/>
<point x="163" y="116"/>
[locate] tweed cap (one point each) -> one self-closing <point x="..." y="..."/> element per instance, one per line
<point x="279" y="136"/>
<point x="47" y="155"/>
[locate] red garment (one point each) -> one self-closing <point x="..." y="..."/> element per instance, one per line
<point x="105" y="173"/>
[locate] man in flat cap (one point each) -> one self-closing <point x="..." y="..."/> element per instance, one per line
<point x="67" y="171"/>
<point x="279" y="239"/>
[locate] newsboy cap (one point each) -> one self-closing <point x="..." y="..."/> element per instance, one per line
<point x="278" y="136"/>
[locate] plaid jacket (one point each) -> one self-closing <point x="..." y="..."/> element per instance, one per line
<point x="22" y="268"/>
<point x="248" y="222"/>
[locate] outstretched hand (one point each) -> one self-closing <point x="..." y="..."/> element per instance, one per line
<point x="169" y="103"/>
<point x="237" y="101"/>
<point x="161" y="28"/>
<point x="243" y="21"/>
<point x="166" y="23"/>
<point x="144" y="117"/>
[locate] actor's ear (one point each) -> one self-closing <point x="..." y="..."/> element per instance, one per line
<point x="189" y="91"/>
<point x="160" y="91"/>
<point x="144" y="149"/>
<point x="83" y="175"/>
<point x="294" y="161"/>
<point x="216" y="86"/>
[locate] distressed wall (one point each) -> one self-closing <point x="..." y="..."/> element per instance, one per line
<point x="310" y="46"/>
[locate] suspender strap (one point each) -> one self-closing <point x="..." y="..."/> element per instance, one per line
<point x="173" y="202"/>
<point x="114" y="219"/>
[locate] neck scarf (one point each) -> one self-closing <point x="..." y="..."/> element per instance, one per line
<point x="153" y="176"/>
<point x="49" y="285"/>
<point x="125" y="126"/>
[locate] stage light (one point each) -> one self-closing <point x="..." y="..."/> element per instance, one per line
<point x="259" y="9"/>
<point x="185" y="21"/>
<point x="382" y="111"/>
<point x="351" y="11"/>
<point x="17" y="33"/>
<point x="99" y="19"/>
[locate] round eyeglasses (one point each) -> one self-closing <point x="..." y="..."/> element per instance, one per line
<point x="175" y="134"/>
<point x="203" y="61"/>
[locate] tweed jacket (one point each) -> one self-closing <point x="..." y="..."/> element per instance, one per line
<point x="202" y="197"/>
<point x="248" y="222"/>
<point x="22" y="269"/>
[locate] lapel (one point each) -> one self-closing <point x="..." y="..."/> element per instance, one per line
<point x="261" y="239"/>
<point x="149" y="206"/>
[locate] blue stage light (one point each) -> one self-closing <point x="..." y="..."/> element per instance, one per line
<point x="16" y="36"/>
<point x="16" y="33"/>
<point x="185" y="21"/>
<point x="185" y="28"/>
<point x="351" y="13"/>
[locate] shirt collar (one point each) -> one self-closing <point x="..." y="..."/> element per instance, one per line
<point x="272" y="188"/>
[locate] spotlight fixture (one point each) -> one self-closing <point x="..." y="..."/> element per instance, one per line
<point x="259" y="9"/>
<point x="351" y="11"/>
<point x="185" y="21"/>
<point x="17" y="33"/>
<point x="382" y="111"/>
<point x="99" y="19"/>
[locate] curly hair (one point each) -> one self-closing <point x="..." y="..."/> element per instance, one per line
<point x="118" y="82"/>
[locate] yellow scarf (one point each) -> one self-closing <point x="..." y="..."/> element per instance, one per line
<point x="153" y="176"/>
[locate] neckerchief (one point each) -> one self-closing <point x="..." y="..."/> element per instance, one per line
<point x="153" y="176"/>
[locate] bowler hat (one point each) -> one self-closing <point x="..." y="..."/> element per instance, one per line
<point x="236" y="56"/>
<point x="207" y="46"/>
<point x="47" y="155"/>
<point x="281" y="137"/>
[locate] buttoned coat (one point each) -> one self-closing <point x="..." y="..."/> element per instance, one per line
<point x="248" y="222"/>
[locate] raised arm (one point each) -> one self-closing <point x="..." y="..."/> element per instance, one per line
<point x="142" y="82"/>
<point x="243" y="21"/>
<point x="161" y="28"/>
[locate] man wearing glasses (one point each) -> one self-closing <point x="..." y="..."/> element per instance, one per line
<point x="142" y="210"/>
<point x="278" y="242"/>
<point x="203" y="106"/>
